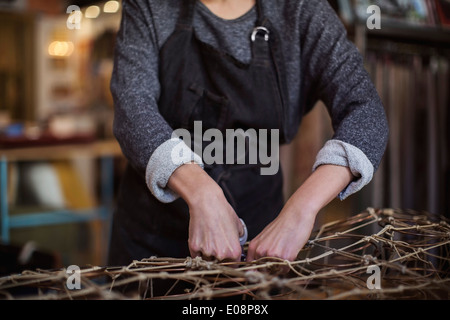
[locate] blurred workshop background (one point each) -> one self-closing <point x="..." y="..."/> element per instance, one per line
<point x="60" y="165"/>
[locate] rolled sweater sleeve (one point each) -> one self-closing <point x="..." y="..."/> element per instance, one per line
<point x="334" y="73"/>
<point x="143" y="134"/>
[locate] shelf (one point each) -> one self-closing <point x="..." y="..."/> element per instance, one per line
<point x="416" y="33"/>
<point x="406" y="32"/>
<point x="56" y="217"/>
<point x="54" y="152"/>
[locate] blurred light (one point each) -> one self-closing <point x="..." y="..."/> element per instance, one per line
<point x="60" y="49"/>
<point x="92" y="12"/>
<point x="111" y="7"/>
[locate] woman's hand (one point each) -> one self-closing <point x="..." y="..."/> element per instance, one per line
<point x="214" y="227"/>
<point x="284" y="237"/>
<point x="288" y="233"/>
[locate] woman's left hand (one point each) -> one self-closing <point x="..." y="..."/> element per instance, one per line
<point x="284" y="237"/>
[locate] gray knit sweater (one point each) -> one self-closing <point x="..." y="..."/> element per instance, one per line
<point x="321" y="64"/>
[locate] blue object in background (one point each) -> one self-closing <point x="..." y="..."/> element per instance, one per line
<point x="14" y="130"/>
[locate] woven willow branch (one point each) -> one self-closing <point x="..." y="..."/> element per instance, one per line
<point x="411" y="249"/>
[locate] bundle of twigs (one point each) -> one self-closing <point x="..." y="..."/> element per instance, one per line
<point x="411" y="251"/>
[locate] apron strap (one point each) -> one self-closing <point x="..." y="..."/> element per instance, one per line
<point x="186" y="14"/>
<point x="260" y="37"/>
<point x="260" y="13"/>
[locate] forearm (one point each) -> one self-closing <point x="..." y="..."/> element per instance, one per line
<point x="321" y="187"/>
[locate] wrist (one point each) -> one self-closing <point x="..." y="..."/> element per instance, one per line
<point x="205" y="188"/>
<point x="298" y="209"/>
<point x="192" y="183"/>
<point x="300" y="206"/>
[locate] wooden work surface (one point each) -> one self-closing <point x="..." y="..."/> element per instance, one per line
<point x="91" y="149"/>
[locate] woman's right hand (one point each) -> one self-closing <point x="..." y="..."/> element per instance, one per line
<point x="214" y="227"/>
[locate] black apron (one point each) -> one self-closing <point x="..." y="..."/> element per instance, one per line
<point x="201" y="83"/>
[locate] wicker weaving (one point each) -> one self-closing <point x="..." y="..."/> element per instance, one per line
<point x="410" y="249"/>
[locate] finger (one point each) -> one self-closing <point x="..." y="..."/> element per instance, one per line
<point x="255" y="251"/>
<point x="207" y="253"/>
<point x="195" y="254"/>
<point x="250" y="254"/>
<point x="232" y="252"/>
<point x="201" y="254"/>
<point x="193" y="250"/>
